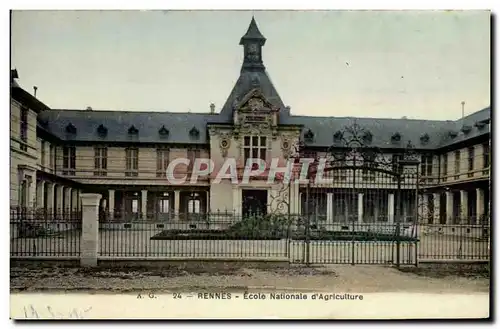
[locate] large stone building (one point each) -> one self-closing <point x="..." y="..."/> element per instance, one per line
<point x="56" y="154"/>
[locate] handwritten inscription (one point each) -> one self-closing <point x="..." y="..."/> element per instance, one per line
<point x="48" y="312"/>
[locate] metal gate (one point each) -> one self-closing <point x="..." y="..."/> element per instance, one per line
<point x="359" y="205"/>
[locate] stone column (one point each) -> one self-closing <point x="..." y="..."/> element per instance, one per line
<point x="40" y="189"/>
<point x="360" y="207"/>
<point x="74" y="200"/>
<point x="207" y="203"/>
<point x="236" y="201"/>
<point x="479" y="205"/>
<point x="390" y="208"/>
<point x="59" y="199"/>
<point x="464" y="205"/>
<point x="177" y="204"/>
<point x="67" y="200"/>
<point x="329" y="208"/>
<point x="299" y="205"/>
<point x="30" y="193"/>
<point x="50" y="198"/>
<point x="144" y="204"/>
<point x="437" y="208"/>
<point x="111" y="202"/>
<point x="90" y="229"/>
<point x="449" y="207"/>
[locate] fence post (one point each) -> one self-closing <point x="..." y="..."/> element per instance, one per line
<point x="90" y="229"/>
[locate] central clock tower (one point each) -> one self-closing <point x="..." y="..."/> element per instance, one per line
<point x="252" y="43"/>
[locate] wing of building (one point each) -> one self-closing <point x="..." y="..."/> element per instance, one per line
<point x="57" y="154"/>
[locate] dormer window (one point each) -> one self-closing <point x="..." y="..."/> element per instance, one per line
<point x="396" y="138"/>
<point x="194" y="132"/>
<point x="452" y="134"/>
<point x="466" y="129"/>
<point x="71" y="129"/>
<point x="337" y="137"/>
<point x="367" y="137"/>
<point x="163" y="131"/>
<point x="102" y="131"/>
<point x="309" y="135"/>
<point x="133" y="130"/>
<point x="424" y="139"/>
<point x="480" y="125"/>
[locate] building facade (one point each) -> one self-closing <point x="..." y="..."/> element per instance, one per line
<point x="57" y="154"/>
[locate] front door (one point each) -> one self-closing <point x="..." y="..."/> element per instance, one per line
<point x="254" y="202"/>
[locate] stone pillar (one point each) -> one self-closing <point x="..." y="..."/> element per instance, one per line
<point x="360" y="207"/>
<point x="67" y="200"/>
<point x="464" y="205"/>
<point x="437" y="207"/>
<point x="74" y="200"/>
<point x="390" y="208"/>
<point x="449" y="207"/>
<point x="177" y="204"/>
<point x="40" y="189"/>
<point x="90" y="229"/>
<point x="59" y="199"/>
<point x="30" y="192"/>
<point x="479" y="205"/>
<point x="111" y="203"/>
<point x="50" y="197"/>
<point x="236" y="200"/>
<point x="207" y="203"/>
<point x="144" y="204"/>
<point x="329" y="208"/>
<point x="299" y="205"/>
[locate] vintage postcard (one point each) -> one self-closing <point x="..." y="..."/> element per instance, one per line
<point x="250" y="164"/>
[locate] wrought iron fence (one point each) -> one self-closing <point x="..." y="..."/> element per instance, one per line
<point x="300" y="238"/>
<point x="44" y="232"/>
<point x="453" y="242"/>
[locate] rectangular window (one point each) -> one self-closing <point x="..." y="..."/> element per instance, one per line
<point x="368" y="172"/>
<point x="100" y="161"/>
<point x="486" y="158"/>
<point x="426" y="165"/>
<point x="395" y="165"/>
<point x="192" y="154"/>
<point x="69" y="160"/>
<point x="457" y="164"/>
<point x="131" y="162"/>
<point x="164" y="206"/>
<point x="470" y="160"/>
<point x="51" y="156"/>
<point x="254" y="147"/>
<point x="42" y="154"/>
<point x="445" y="167"/>
<point x="24" y="128"/>
<point x="162" y="159"/>
<point x="486" y="155"/>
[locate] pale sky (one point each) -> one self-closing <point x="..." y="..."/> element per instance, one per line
<point x="414" y="64"/>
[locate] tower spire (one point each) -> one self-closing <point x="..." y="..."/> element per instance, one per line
<point x="252" y="43"/>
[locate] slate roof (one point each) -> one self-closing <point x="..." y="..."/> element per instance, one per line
<point x="253" y="33"/>
<point x="118" y="124"/>
<point x="382" y="130"/>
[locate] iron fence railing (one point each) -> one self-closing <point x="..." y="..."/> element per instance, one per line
<point x="301" y="239"/>
<point x="453" y="242"/>
<point x="36" y="232"/>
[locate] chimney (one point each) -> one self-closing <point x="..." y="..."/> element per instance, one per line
<point x="35" y="88"/>
<point x="88" y="108"/>
<point x="212" y="108"/>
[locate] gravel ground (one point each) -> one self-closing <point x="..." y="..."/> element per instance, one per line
<point x="335" y="278"/>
